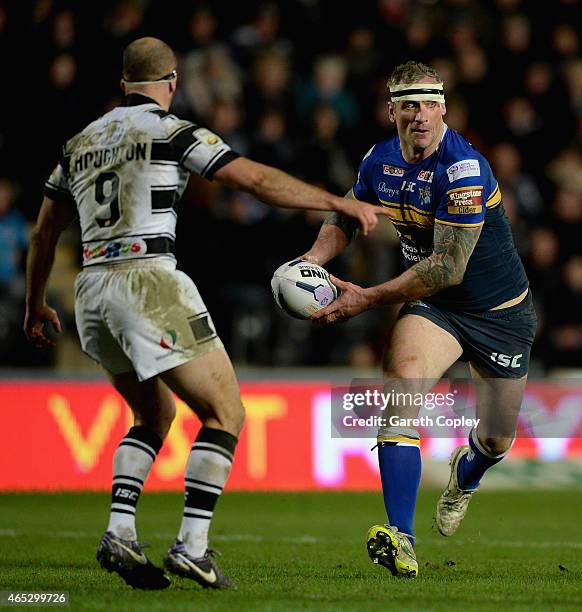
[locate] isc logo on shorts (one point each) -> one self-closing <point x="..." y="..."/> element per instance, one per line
<point x="507" y="361"/>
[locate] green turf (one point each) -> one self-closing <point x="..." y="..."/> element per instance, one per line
<point x="306" y="552"/>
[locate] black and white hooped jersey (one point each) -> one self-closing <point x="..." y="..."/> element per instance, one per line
<point x="126" y="172"/>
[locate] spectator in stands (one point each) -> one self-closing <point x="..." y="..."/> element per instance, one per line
<point x="261" y="34"/>
<point x="207" y="74"/>
<point x="543" y="271"/>
<point x="567" y="219"/>
<point x="271" y="142"/>
<point x="226" y="119"/>
<point x="13" y="244"/>
<point x="269" y="87"/>
<point x="564" y="324"/>
<point x="328" y="86"/>
<point x="13" y="241"/>
<point x="507" y="165"/>
<point x="323" y="159"/>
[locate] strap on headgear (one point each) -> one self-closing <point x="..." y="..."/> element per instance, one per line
<point x="417" y="92"/>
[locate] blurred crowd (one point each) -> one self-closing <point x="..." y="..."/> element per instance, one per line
<point x="301" y="85"/>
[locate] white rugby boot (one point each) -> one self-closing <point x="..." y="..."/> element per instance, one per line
<point x="453" y="503"/>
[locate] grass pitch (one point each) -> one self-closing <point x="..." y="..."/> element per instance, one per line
<point x="306" y="551"/>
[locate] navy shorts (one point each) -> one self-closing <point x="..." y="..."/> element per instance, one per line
<point x="498" y="341"/>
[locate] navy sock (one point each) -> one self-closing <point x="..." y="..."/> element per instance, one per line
<point x="474" y="464"/>
<point x="400" y="470"/>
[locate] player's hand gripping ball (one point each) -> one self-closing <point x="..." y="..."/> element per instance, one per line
<point x="301" y="288"/>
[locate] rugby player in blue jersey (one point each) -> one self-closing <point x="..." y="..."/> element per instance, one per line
<point x="465" y="295"/>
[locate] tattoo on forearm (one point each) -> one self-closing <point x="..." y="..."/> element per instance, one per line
<point x="446" y="266"/>
<point x="348" y="225"/>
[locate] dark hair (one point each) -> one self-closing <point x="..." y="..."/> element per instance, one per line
<point x="147" y="59"/>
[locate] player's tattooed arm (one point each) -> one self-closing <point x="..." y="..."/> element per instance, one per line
<point x="348" y="225"/>
<point x="336" y="233"/>
<point x="446" y="266"/>
<point x="443" y="268"/>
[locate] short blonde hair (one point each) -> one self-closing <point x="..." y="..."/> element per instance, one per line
<point x="412" y="72"/>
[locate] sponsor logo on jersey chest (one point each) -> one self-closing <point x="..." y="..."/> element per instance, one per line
<point x="393" y="170"/>
<point x="383" y="188"/>
<point x="426" y="176"/>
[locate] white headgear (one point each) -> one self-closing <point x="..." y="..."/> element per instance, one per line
<point x="417" y="92"/>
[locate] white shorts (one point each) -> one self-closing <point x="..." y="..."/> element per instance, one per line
<point x="144" y="316"/>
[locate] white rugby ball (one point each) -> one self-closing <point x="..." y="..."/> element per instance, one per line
<point x="301" y="288"/>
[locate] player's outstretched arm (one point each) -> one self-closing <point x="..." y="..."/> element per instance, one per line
<point x="281" y="189"/>
<point x="336" y="233"/>
<point x="445" y="267"/>
<point x="53" y="218"/>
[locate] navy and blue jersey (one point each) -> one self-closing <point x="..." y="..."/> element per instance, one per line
<point x="453" y="186"/>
